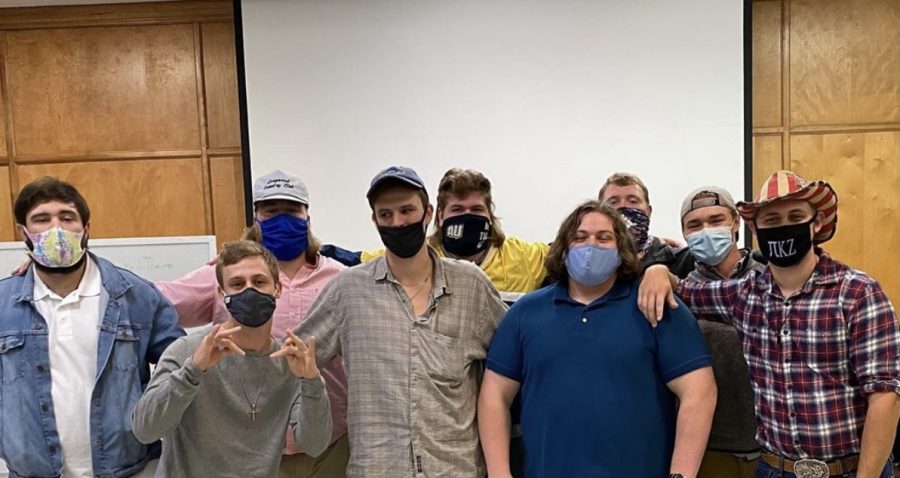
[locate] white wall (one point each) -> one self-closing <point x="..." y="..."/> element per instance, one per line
<point x="545" y="97"/>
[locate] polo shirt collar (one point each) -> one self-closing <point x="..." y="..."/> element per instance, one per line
<point x="88" y="287"/>
<point x="620" y="290"/>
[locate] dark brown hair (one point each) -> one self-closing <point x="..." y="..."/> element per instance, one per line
<point x="236" y="251"/>
<point x="48" y="189"/>
<point x="624" y="179"/>
<point x="629" y="269"/>
<point x="460" y="183"/>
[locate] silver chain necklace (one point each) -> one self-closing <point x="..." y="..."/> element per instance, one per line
<point x="253" y="405"/>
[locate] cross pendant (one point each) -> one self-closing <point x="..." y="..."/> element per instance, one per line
<point x="253" y="412"/>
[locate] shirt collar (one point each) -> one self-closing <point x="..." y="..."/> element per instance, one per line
<point x="825" y="273"/>
<point x="381" y="271"/>
<point x="88" y="287"/>
<point x="620" y="290"/>
<point x="306" y="270"/>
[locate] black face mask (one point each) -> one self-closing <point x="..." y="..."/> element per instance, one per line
<point x="785" y="246"/>
<point x="250" y="307"/>
<point x="465" y="235"/>
<point x="403" y="241"/>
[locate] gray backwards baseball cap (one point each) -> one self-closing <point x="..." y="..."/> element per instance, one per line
<point x="402" y="174"/>
<point x="280" y="185"/>
<point x="707" y="196"/>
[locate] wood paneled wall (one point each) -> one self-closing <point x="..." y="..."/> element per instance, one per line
<point x="826" y="104"/>
<point x="135" y="104"/>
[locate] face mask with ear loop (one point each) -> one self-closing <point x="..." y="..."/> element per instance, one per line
<point x="56" y="248"/>
<point x="591" y="264"/>
<point x="404" y="241"/>
<point x="466" y="234"/>
<point x="250" y="307"/>
<point x="711" y="245"/>
<point x="785" y="246"/>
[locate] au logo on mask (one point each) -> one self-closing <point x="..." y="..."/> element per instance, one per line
<point x="455" y="231"/>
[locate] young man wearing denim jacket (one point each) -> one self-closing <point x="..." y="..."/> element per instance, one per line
<point x="77" y="336"/>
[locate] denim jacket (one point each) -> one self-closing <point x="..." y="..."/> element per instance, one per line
<point x="137" y="325"/>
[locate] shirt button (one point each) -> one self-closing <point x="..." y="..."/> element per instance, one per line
<point x="40" y="368"/>
<point x="44" y="407"/>
<point x="584" y="319"/>
<point x="786" y="332"/>
<point x="51" y="449"/>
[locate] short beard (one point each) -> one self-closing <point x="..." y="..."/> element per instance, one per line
<point x="61" y="270"/>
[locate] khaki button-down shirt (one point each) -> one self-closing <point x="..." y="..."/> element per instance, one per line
<point x="413" y="381"/>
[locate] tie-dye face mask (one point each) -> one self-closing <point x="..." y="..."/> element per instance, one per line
<point x="56" y="247"/>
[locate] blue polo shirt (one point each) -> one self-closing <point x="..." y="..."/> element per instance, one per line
<point x="593" y="381"/>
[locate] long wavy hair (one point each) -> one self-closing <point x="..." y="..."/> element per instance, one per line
<point x="629" y="269"/>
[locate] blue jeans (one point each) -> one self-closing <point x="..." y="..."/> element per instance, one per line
<point x="765" y="470"/>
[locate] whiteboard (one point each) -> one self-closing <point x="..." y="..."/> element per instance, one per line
<point x="153" y="258"/>
<point x="547" y="98"/>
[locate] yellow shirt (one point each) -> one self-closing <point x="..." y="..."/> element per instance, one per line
<point x="515" y="268"/>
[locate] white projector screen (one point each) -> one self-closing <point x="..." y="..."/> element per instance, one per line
<point x="545" y="97"/>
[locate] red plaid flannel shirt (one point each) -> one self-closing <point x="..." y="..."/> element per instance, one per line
<point x="813" y="357"/>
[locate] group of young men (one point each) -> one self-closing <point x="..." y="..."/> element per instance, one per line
<point x="411" y="363"/>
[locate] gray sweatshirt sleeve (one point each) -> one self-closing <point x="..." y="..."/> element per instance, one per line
<point x="311" y="417"/>
<point x="173" y="387"/>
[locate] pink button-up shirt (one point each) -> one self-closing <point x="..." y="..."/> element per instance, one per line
<point x="196" y="297"/>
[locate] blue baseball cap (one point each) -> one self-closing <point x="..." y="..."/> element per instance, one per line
<point x="403" y="174"/>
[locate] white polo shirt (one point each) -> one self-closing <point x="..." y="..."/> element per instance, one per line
<point x="73" y="323"/>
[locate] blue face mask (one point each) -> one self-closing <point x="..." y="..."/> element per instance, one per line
<point x="711" y="245"/>
<point x="285" y="235"/>
<point x="592" y="265"/>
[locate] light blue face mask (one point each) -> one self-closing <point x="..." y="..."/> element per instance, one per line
<point x="592" y="265"/>
<point x="711" y="245"/>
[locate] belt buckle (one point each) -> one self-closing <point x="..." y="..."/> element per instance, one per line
<point x="808" y="468"/>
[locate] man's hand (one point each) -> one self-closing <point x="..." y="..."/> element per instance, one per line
<point x="656" y="290"/>
<point x="673" y="242"/>
<point x="21" y="268"/>
<point x="300" y="357"/>
<point x="215" y="346"/>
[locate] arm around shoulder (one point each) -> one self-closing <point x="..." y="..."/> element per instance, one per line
<point x="195" y="296"/>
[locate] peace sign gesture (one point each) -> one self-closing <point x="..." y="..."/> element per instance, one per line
<point x="301" y="358"/>
<point x="214" y="346"/>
